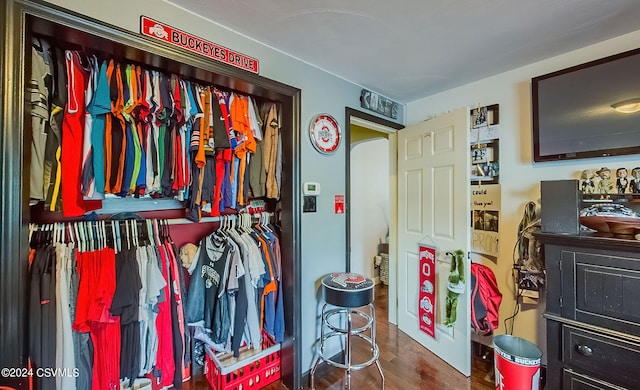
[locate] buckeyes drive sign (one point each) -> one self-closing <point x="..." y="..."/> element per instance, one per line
<point x="175" y="37"/>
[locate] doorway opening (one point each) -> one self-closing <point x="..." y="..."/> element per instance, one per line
<point x="361" y="253"/>
<point x="371" y="199"/>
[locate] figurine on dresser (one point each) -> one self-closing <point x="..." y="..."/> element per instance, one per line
<point x="605" y="185"/>
<point x="587" y="185"/>
<point x="621" y="180"/>
<point x="634" y="183"/>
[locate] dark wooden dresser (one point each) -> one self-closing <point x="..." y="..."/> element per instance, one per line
<point x="592" y="312"/>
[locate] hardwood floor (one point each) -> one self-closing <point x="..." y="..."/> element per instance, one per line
<point x="405" y="363"/>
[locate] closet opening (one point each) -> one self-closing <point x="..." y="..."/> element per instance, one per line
<point x="24" y="20"/>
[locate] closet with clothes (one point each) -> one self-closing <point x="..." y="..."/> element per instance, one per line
<point x="133" y="207"/>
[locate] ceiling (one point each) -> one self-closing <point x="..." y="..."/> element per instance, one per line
<point x="408" y="49"/>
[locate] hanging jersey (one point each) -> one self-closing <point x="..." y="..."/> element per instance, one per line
<point x="52" y="171"/>
<point x="115" y="140"/>
<point x="72" y="133"/>
<point x="39" y="90"/>
<point x="270" y="152"/>
<point x="87" y="184"/>
<point x="130" y="150"/>
<point x="99" y="107"/>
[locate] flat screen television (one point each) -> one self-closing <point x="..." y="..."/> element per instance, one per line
<point x="573" y="110"/>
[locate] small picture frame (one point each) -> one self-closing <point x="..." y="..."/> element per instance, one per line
<point x="485" y="116"/>
<point x="484" y="163"/>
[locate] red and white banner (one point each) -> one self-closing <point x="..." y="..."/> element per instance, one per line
<point x="427" y="289"/>
<point x="173" y="36"/>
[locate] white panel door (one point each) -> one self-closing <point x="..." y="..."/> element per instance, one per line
<point x="433" y="208"/>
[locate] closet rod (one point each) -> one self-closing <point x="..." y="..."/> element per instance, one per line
<point x="172" y="221"/>
<point x="180" y="221"/>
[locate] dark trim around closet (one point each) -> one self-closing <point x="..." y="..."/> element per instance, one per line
<point x="20" y="19"/>
<point x="349" y="113"/>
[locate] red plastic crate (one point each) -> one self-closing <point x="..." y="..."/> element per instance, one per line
<point x="254" y="371"/>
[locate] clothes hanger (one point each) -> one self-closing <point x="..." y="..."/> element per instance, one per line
<point x="100" y="233"/>
<point x="136" y="238"/>
<point x="222" y="227"/>
<point x="163" y="230"/>
<point x="150" y="232"/>
<point x="105" y="234"/>
<point x="59" y="227"/>
<point x="72" y="237"/>
<point x="90" y="235"/>
<point x="169" y="238"/>
<point x="118" y="236"/>
<point x="265" y="221"/>
<point x="78" y="238"/>
<point x="54" y="238"/>
<point x="97" y="236"/>
<point x="246" y="222"/>
<point x="156" y="233"/>
<point x="32" y="228"/>
<point x="128" y="234"/>
<point x="86" y="236"/>
<point x="95" y="233"/>
<point x="138" y="227"/>
<point x="81" y="237"/>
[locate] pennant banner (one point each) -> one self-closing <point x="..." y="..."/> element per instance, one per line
<point x="427" y="295"/>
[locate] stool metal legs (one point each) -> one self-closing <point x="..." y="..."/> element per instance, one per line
<point x="348" y="332"/>
<point x="347" y="354"/>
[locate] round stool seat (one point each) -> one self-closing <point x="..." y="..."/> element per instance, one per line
<point x="347" y="289"/>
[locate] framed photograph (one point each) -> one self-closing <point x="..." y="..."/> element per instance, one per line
<point x="480" y="154"/>
<point x="484" y="123"/>
<point x="484" y="162"/>
<point x="485" y="116"/>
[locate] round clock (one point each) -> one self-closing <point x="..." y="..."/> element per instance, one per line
<point x="325" y="133"/>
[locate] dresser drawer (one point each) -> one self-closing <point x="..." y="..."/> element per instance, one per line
<point x="604" y="357"/>
<point x="601" y="289"/>
<point x="576" y="381"/>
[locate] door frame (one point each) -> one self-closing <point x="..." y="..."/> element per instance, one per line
<point x="353" y="116"/>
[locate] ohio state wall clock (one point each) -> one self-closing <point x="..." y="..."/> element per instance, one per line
<point x="324" y="133"/>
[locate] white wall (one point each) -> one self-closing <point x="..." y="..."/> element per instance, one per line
<point x="519" y="177"/>
<point x="323" y="232"/>
<point x="369" y="202"/>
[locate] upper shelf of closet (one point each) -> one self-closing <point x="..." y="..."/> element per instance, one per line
<point x="124" y="47"/>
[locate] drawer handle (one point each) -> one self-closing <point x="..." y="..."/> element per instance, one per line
<point x="585" y="350"/>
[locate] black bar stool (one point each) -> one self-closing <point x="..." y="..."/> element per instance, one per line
<point x="346" y="291"/>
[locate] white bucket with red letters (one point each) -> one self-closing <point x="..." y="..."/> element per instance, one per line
<point x="517" y="363"/>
